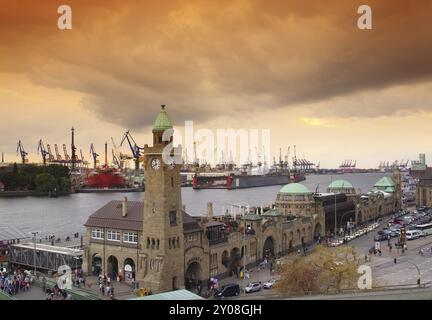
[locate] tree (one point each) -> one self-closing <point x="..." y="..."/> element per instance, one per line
<point x="45" y="182"/>
<point x="322" y="271"/>
<point x="65" y="184"/>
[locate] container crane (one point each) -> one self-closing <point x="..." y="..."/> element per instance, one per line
<point x="44" y="153"/>
<point x="94" y="155"/>
<point x="51" y="157"/>
<point x="116" y="160"/>
<point x="22" y="152"/>
<point x="117" y="156"/>
<point x="136" y="150"/>
<point x="67" y="158"/>
<point x="59" y="158"/>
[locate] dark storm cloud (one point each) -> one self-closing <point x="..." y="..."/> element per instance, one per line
<point x="205" y="59"/>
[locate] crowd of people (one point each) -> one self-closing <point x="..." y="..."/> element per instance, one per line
<point x="106" y="287"/>
<point x="57" y="294"/>
<point x="17" y="281"/>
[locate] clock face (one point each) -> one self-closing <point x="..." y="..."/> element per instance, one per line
<point x="155" y="164"/>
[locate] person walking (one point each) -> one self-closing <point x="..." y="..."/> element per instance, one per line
<point x="43" y="283"/>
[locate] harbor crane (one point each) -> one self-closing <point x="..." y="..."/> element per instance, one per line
<point x="44" y="153"/>
<point x="136" y="150"/>
<point x="22" y="152"/>
<point x="59" y="158"/>
<point x="67" y="158"/>
<point x="118" y="157"/>
<point x="94" y="155"/>
<point x="50" y="155"/>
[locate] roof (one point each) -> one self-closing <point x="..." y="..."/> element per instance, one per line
<point x="11" y="233"/>
<point x="251" y="217"/>
<point x="213" y="223"/>
<point x="110" y="216"/>
<point x="271" y="213"/>
<point x="339" y="184"/>
<point x="294" y="188"/>
<point x="181" y="294"/>
<point x="53" y="249"/>
<point x="162" y="121"/>
<point x="385" y="184"/>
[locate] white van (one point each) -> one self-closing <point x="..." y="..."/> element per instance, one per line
<point x="413" y="234"/>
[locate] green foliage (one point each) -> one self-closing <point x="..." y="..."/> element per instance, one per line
<point x="65" y="184"/>
<point x="45" y="182"/>
<point x="23" y="177"/>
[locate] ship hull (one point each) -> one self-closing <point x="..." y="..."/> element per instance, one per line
<point x="242" y="182"/>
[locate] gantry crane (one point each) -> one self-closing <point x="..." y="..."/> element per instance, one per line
<point x="59" y="158"/>
<point x="94" y="155"/>
<point x="67" y="158"/>
<point x="136" y="150"/>
<point x="22" y="152"/>
<point x="44" y="153"/>
<point x="51" y="157"/>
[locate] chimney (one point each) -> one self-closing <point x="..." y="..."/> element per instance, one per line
<point x="125" y="207"/>
<point x="210" y="210"/>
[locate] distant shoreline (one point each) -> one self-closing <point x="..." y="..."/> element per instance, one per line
<point x="28" y="193"/>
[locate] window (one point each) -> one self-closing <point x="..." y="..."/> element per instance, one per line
<point x="193" y="237"/>
<point x="130" y="237"/>
<point x="173" y="218"/>
<point x="97" y="234"/>
<point x="113" y="235"/>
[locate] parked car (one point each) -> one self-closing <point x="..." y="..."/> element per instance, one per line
<point x="269" y="284"/>
<point x="413" y="234"/>
<point x="380" y="237"/>
<point x="228" y="290"/>
<point x="253" y="287"/>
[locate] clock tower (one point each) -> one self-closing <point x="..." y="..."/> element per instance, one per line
<point x="162" y="240"/>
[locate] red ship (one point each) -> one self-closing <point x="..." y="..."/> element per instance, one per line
<point x="106" y="178"/>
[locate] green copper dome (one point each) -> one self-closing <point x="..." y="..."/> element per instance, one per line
<point x="162" y="121"/>
<point x="385" y="184"/>
<point x="340" y="184"/>
<point x="294" y="188"/>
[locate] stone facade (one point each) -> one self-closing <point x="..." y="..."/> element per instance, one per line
<point x="167" y="249"/>
<point x="424" y="189"/>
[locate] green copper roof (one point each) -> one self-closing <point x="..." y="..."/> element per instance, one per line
<point x="271" y="213"/>
<point x="385" y="182"/>
<point x="162" y="121"/>
<point x="340" y="184"/>
<point x="251" y="217"/>
<point x="294" y="188"/>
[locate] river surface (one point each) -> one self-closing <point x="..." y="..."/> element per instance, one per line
<point x="66" y="215"/>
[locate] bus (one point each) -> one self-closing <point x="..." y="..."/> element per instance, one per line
<point x="426" y="229"/>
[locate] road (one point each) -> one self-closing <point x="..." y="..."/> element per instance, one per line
<point x="405" y="272"/>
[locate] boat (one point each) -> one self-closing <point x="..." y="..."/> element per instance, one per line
<point x="239" y="181"/>
<point x="106" y="179"/>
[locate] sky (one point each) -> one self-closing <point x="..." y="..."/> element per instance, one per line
<point x="301" y="69"/>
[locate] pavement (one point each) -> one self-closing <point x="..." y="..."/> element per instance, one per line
<point x="402" y="274"/>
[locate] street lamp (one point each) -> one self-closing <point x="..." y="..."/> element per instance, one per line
<point x="335" y="226"/>
<point x="34" y="251"/>
<point x="418" y="270"/>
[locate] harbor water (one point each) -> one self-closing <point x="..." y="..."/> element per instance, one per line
<point x="66" y="215"/>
